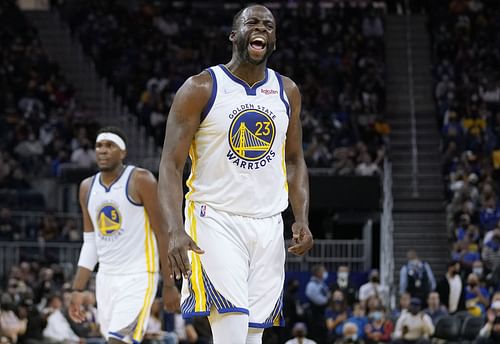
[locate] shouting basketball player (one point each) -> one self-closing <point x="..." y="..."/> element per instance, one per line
<point x="240" y="124"/>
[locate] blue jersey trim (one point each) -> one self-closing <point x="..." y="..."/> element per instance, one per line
<point x="108" y="189"/>
<point x="211" y="101"/>
<point x="135" y="341"/>
<point x="90" y="190"/>
<point x="126" y="189"/>
<point x="116" y="334"/>
<point x="195" y="314"/>
<point x="251" y="91"/>
<point x="234" y="310"/>
<point x="282" y="93"/>
<point x="265" y="325"/>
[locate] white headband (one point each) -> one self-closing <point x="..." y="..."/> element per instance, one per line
<point x="113" y="138"/>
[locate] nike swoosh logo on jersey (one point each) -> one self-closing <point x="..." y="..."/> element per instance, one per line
<point x="229" y="90"/>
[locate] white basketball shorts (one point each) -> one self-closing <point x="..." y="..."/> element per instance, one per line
<point x="242" y="269"/>
<point x="124" y="304"/>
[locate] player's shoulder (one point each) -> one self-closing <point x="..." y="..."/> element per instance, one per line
<point x="143" y="175"/>
<point x="87" y="182"/>
<point x="199" y="82"/>
<point x="290" y="87"/>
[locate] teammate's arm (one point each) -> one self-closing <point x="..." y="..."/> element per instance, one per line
<point x="297" y="177"/>
<point x="144" y="189"/>
<point x="88" y="257"/>
<point x="183" y="121"/>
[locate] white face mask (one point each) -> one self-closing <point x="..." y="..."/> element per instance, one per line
<point x="478" y="271"/>
<point x="325" y="275"/>
<point x="343" y="275"/>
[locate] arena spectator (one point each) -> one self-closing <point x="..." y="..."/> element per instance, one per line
<point x="451" y="288"/>
<point x="379" y="329"/>
<point x="414" y="326"/>
<point x="416" y="277"/>
<point x="350" y="335"/>
<point x="336" y="314"/>
<point x="299" y="335"/>
<point x="373" y="287"/>
<point x="58" y="327"/>
<point x="490" y="333"/>
<point x="344" y="284"/>
<point x="476" y="297"/>
<point x="434" y="307"/>
<point x="318" y="294"/>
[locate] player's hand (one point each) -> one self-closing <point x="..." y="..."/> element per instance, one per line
<point x="171" y="298"/>
<point x="75" y="307"/>
<point x="302" y="239"/>
<point x="178" y="246"/>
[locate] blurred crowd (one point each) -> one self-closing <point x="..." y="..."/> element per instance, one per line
<point x="41" y="122"/>
<point x="148" y="52"/>
<point x="330" y="308"/>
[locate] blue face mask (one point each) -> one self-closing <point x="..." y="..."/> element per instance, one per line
<point x="376" y="315"/>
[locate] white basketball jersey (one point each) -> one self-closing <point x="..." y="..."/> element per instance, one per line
<point x="238" y="162"/>
<point x="124" y="238"/>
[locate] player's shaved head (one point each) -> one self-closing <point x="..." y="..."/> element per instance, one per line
<point x="239" y="14"/>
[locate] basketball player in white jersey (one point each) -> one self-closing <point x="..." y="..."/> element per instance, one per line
<point x="122" y="232"/>
<point x="240" y="124"/>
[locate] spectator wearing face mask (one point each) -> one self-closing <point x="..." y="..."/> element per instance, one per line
<point x="318" y="294"/>
<point x="416" y="277"/>
<point x="344" y="284"/>
<point x="491" y="249"/>
<point x="299" y="335"/>
<point x="359" y="318"/>
<point x="373" y="287"/>
<point x="336" y="314"/>
<point x="350" y="335"/>
<point x="379" y="329"/>
<point x="414" y="327"/>
<point x="451" y="289"/>
<point x="476" y="297"/>
<point x="490" y="333"/>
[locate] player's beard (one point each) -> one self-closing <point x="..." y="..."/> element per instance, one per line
<point x="243" y="43"/>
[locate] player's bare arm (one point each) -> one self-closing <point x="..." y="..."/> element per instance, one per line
<point x="183" y="122"/>
<point x="297" y="177"/>
<point x="82" y="274"/>
<point x="144" y="190"/>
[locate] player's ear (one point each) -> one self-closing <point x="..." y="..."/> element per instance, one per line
<point x="123" y="154"/>
<point x="232" y="36"/>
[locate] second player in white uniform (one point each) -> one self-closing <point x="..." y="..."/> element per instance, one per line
<point x="121" y="226"/>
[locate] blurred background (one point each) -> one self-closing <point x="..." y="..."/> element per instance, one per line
<point x="401" y="125"/>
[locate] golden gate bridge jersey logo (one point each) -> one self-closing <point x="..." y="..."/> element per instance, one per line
<point x="109" y="221"/>
<point x="251" y="137"/>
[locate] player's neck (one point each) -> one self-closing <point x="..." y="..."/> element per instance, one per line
<point x="247" y="72"/>
<point x="109" y="177"/>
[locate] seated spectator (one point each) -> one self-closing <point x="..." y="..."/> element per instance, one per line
<point x="378" y="329"/>
<point x="359" y="318"/>
<point x="491" y="250"/>
<point x="373" y="287"/>
<point x="350" y="335"/>
<point x="58" y="327"/>
<point x="336" y="314"/>
<point x="84" y="156"/>
<point x="404" y="305"/>
<point x="434" y="307"/>
<point x="414" y="326"/>
<point x="372" y="304"/>
<point x="299" y="333"/>
<point x="367" y="167"/>
<point x="476" y="297"/>
<point x="10" y="325"/>
<point x="490" y="333"/>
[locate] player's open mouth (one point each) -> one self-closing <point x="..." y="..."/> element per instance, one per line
<point x="258" y="44"/>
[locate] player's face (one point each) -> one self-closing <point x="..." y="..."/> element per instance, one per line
<point x="108" y="155"/>
<point x="255" y="35"/>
